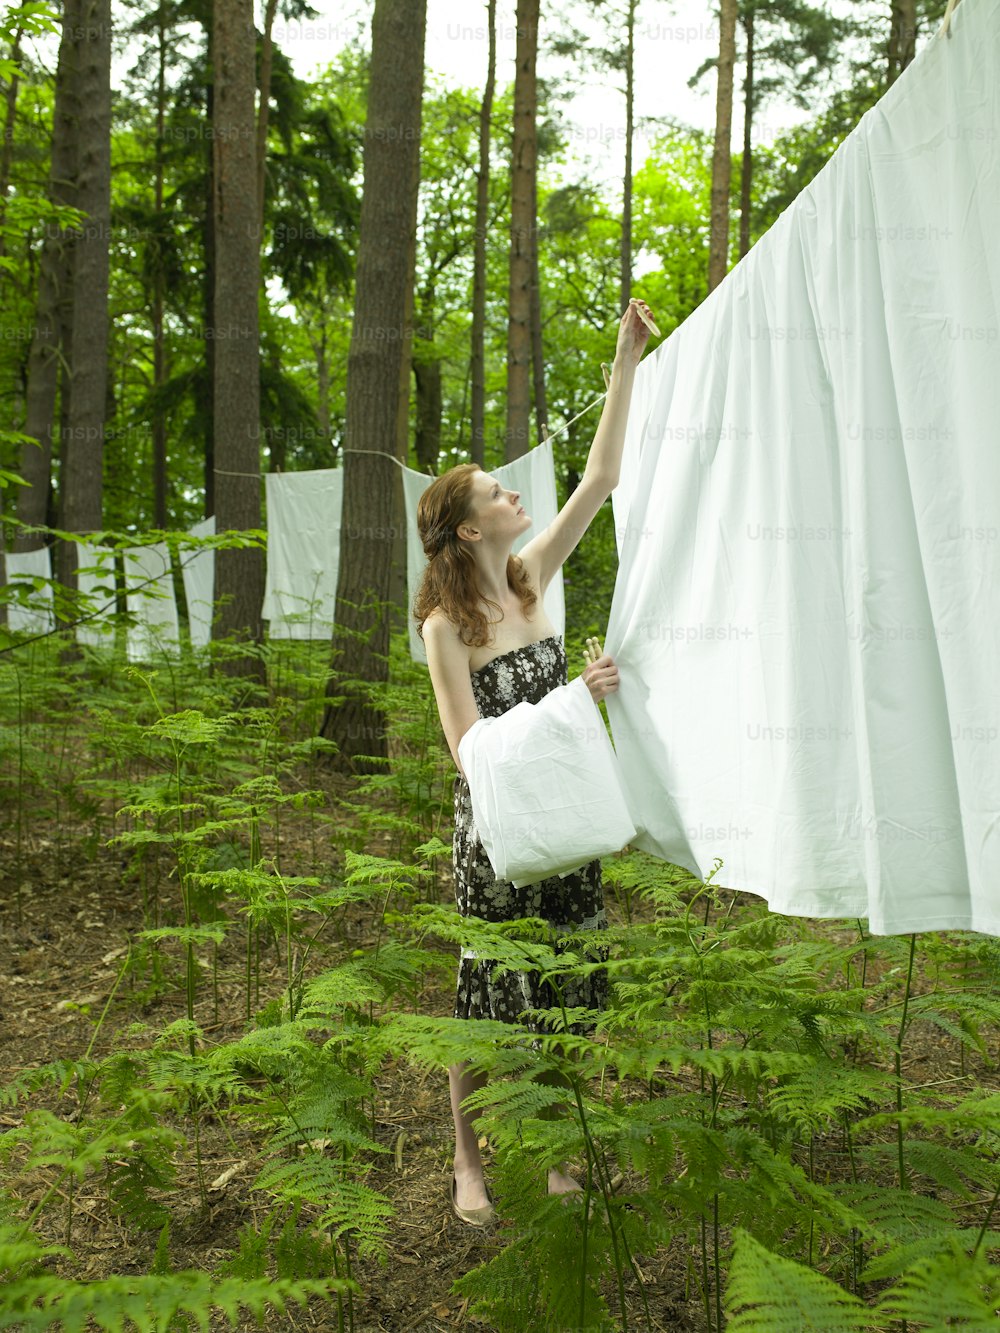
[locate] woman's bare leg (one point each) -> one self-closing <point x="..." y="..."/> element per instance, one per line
<point x="470" y="1188"/>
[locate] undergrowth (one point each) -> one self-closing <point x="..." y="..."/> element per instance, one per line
<point x="744" y="1104"/>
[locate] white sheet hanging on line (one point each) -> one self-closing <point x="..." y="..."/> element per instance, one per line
<point x="545" y="785"/>
<point x="198" y="572"/>
<point x="805" y="613"/>
<point x="95" y="579"/>
<point x="303" y="552"/>
<point x="22" y="568"/>
<point x="534" y="476"/>
<point x="149" y="596"/>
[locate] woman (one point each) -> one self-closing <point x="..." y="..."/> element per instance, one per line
<point x="489" y="646"/>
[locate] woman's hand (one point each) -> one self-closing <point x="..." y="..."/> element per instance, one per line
<point x="601" y="673"/>
<point x="633" y="333"/>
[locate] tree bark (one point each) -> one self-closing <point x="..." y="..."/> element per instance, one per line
<point x="537" y="350"/>
<point x="82" y="462"/>
<point x="427" y="378"/>
<point x="378" y="361"/>
<point x="746" y="173"/>
<point x="50" y="337"/>
<point x="477" y="444"/>
<point x="266" y="56"/>
<point x="522" y="231"/>
<point x="718" y="246"/>
<point x="239" y="574"/>
<point x="206" y="400"/>
<point x="625" y="278"/>
<point x="159" y="360"/>
<point x="10" y="113"/>
<point x="902" y="37"/>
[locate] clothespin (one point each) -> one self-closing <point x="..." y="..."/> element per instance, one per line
<point x="592" y="651"/>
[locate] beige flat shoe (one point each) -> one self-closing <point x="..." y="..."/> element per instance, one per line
<point x="473" y="1217"/>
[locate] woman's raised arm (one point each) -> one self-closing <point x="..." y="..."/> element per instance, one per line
<point x="544" y="554"/>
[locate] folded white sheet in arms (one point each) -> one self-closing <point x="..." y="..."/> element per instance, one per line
<point x="547" y="795"/>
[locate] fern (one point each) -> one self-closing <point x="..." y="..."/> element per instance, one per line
<point x="117" y="1304"/>
<point x="767" y="1293"/>
<point x="952" y="1289"/>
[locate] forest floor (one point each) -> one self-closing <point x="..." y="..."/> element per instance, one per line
<point x="58" y="964"/>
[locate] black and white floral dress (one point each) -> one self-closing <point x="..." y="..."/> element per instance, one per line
<point x="571" y="903"/>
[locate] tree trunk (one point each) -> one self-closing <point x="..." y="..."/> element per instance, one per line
<point x="205" y="404"/>
<point x="52" y="304"/>
<point x="477" y="444"/>
<point x="537" y="351"/>
<point x="239" y="574"/>
<point x="427" y="378"/>
<point x="902" y="37"/>
<point x="82" y="462"/>
<point x="159" y="365"/>
<point x="522" y="228"/>
<point x="10" y="113"/>
<point x="747" y="166"/>
<point x="718" y="247"/>
<point x="625" y="279"/>
<point x="266" y="57"/>
<point x="379" y="359"/>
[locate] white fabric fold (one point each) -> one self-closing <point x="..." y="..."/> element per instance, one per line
<point x="149" y="596"/>
<point x="547" y="795"/>
<point x="198" y="572"/>
<point x="22" y="568"/>
<point x="303" y="552"/>
<point x="809" y="529"/>
<point x="95" y="579"/>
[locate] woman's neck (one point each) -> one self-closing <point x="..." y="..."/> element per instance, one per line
<point x="491" y="567"/>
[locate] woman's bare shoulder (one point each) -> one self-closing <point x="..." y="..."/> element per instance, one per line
<point x="443" y="634"/>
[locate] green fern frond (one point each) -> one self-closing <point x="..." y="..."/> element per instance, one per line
<point x="766" y="1293"/>
<point x="914" y="1254"/>
<point x="951" y="1290"/>
<point x="341" y="1205"/>
<point x="817" y="1096"/>
<point x="117" y="1304"/>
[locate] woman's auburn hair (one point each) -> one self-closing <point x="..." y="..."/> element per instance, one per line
<point x="451" y="580"/>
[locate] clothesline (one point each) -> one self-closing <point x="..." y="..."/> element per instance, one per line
<point x="379" y="453"/>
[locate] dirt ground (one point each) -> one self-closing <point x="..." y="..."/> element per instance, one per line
<point x="63" y="956"/>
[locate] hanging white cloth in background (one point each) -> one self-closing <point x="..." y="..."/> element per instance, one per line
<point x="805" y="614"/>
<point x="95" y="579"/>
<point x="23" y="567"/>
<point x="198" y="572"/>
<point x="546" y="791"/>
<point x="534" y="476"/>
<point x="303" y="552"/>
<point x="149" y="588"/>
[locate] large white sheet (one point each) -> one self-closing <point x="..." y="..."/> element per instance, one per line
<point x="198" y="572"/>
<point x="23" y="568"/>
<point x="534" y="476"/>
<point x="805" y="615"/>
<point x="149" y="596"/>
<point x="303" y="552"/>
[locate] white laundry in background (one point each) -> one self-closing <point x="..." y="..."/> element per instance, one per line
<point x="303" y="552"/>
<point x="198" y="572"/>
<point x="95" y="579"/>
<point x="149" y="596"/>
<point x="546" y="791"/>
<point x="805" y="616"/>
<point x="23" y="567"/>
<point x="534" y="476"/>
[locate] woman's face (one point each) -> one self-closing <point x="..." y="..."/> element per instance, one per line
<point x="496" y="513"/>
